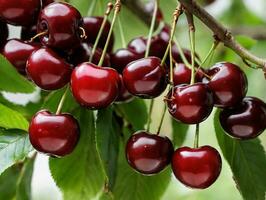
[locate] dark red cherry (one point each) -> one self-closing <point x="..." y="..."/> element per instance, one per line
<point x="145" y="78"/>
<point x="228" y="83"/>
<point x="19" y="12"/>
<point x="95" y="87"/>
<point x="190" y="104"/>
<point x="147" y="153"/>
<point x="138" y="45"/>
<point x="124" y="95"/>
<point x="46" y="2"/>
<point x="18" y="52"/>
<point x="55" y="135"/>
<point x="122" y="57"/>
<point x="48" y="70"/>
<point x="63" y="22"/>
<point x="197" y="168"/>
<point x="3" y="33"/>
<point x="92" y="26"/>
<point x="83" y="52"/>
<point x="29" y="32"/>
<point x="246" y="120"/>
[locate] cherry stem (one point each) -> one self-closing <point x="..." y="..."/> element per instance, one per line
<point x="117" y="8"/>
<point x="38" y="35"/>
<point x="151" y="28"/>
<point x="92" y="8"/>
<point x="178" y="11"/>
<point x="149" y="115"/>
<point x="212" y="49"/>
<point x="83" y="33"/>
<point x="106" y="14"/>
<point x="192" y="44"/>
<point x="181" y="52"/>
<point x="122" y="34"/>
<point x="62" y="100"/>
<point x="196" y="140"/>
<point x="162" y="119"/>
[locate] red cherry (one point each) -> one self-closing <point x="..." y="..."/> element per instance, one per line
<point x="92" y="26"/>
<point x="46" y="2"/>
<point x="55" y="135"/>
<point x="3" y="33"/>
<point x="95" y="87"/>
<point x="245" y="121"/>
<point x="62" y="21"/>
<point x="18" y="52"/>
<point x="147" y="153"/>
<point x="190" y="104"/>
<point x="138" y="45"/>
<point x="145" y="78"/>
<point x="122" y="57"/>
<point x="29" y="32"/>
<point x="124" y="95"/>
<point x="19" y="12"/>
<point x="83" y="52"/>
<point x="197" y="168"/>
<point x="47" y="70"/>
<point x="228" y="83"/>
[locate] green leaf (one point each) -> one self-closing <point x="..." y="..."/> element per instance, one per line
<point x="11" y="119"/>
<point x="11" y="80"/>
<point x="14" y="147"/>
<point x="247" y="160"/>
<point x="81" y="5"/>
<point x="78" y="175"/>
<point x="134" y="112"/>
<point x="247" y="42"/>
<point x="8" y="183"/>
<point x="107" y="143"/>
<point x="23" y="191"/>
<point x="179" y="133"/>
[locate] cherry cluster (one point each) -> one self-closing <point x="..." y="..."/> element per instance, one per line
<point x="55" y="47"/>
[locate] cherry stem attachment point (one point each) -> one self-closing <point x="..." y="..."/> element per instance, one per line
<point x="122" y="34"/>
<point x="38" y="35"/>
<point x="62" y="100"/>
<point x="117" y="8"/>
<point x="107" y="13"/>
<point x="83" y="33"/>
<point x="155" y="10"/>
<point x="161" y="120"/>
<point x="149" y="115"/>
<point x="196" y="140"/>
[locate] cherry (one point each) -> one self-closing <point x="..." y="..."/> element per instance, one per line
<point x="48" y="70"/>
<point x="138" y="45"/>
<point x="124" y="95"/>
<point x="18" y="52"/>
<point x="147" y="153"/>
<point x="190" y="104"/>
<point x="19" y="12"/>
<point x="95" y="87"/>
<point x="29" y="32"/>
<point x="145" y="78"/>
<point x="197" y="168"/>
<point x="3" y="33"/>
<point x="122" y="57"/>
<point x="46" y="2"/>
<point x="245" y="121"/>
<point x="177" y="55"/>
<point x="149" y="7"/>
<point x="228" y="83"/>
<point x="55" y="135"/>
<point x="63" y="22"/>
<point x="92" y="26"/>
<point x="83" y="52"/>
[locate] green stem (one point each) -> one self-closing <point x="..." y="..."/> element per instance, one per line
<point x="122" y="34"/>
<point x="192" y="44"/>
<point x="212" y="49"/>
<point x="92" y="8"/>
<point x="181" y="52"/>
<point x="162" y="119"/>
<point x="149" y="115"/>
<point x="117" y="10"/>
<point x="62" y="100"/>
<point x="196" y="140"/>
<point x="151" y="28"/>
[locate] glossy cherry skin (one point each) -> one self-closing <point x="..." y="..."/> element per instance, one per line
<point x="124" y="95"/>
<point x="190" y="104"/>
<point x="197" y="168"/>
<point x="228" y="83"/>
<point x="3" y="33"/>
<point x="138" y="45"/>
<point x="62" y="21"/>
<point x="83" y="52"/>
<point x="95" y="87"/>
<point x="19" y="12"/>
<point x="148" y="154"/>
<point x="18" y="52"/>
<point x="246" y="120"/>
<point x="145" y="78"/>
<point x="92" y="26"/>
<point x="48" y="70"/>
<point x="55" y="135"/>
<point x="122" y="57"/>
